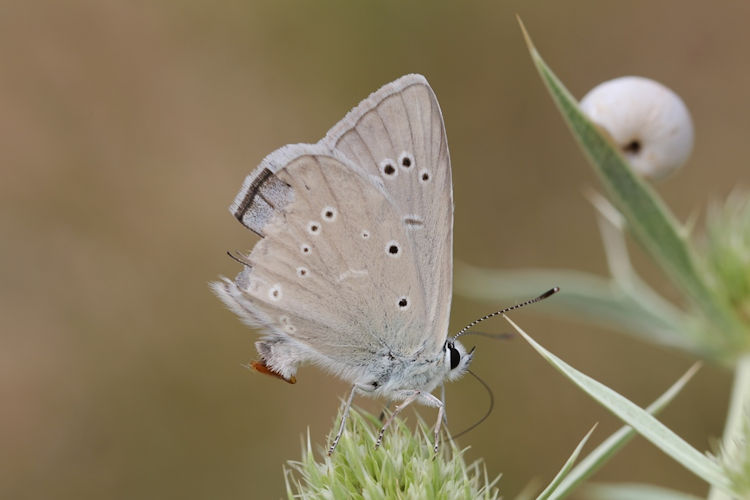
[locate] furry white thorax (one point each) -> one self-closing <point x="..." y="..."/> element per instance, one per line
<point x="389" y="376"/>
<point x="398" y="377"/>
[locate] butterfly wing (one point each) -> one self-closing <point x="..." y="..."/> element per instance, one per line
<point x="345" y="271"/>
<point x="397" y="136"/>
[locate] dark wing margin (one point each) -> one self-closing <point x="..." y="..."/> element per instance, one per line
<point x="262" y="195"/>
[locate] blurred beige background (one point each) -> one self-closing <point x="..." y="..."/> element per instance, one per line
<point x="126" y="129"/>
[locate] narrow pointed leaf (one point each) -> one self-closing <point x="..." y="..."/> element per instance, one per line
<point x="565" y="468"/>
<point x="646" y="425"/>
<point x="647" y="216"/>
<point x="585" y="296"/>
<point x="602" y="453"/>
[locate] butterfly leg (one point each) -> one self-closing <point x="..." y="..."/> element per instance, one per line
<point x="382" y="413"/>
<point x="429" y="400"/>
<point x="441" y="415"/>
<point x="344" y="414"/>
<point x="406" y="402"/>
<point x="442" y="398"/>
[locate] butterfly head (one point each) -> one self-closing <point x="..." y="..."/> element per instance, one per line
<point x="457" y="359"/>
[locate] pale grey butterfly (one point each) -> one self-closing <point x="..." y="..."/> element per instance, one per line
<point x="354" y="269"/>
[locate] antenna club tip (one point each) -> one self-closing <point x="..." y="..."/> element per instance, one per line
<point x="502" y="312"/>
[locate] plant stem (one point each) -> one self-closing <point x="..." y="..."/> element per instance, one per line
<point x="734" y="430"/>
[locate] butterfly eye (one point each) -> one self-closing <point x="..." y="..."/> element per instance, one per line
<point x="403" y="303"/>
<point x="455" y="357"/>
<point x="424" y="176"/>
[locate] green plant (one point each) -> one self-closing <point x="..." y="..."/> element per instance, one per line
<point x="714" y="324"/>
<point x="404" y="467"/>
<point x="714" y="278"/>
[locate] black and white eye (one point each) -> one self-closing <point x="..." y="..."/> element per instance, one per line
<point x="388" y="167"/>
<point x="365" y="234"/>
<point x="305" y="249"/>
<point x="303" y="272"/>
<point x="455" y="356"/>
<point x="424" y="176"/>
<point x="406" y="160"/>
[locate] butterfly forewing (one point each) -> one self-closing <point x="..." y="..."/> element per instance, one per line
<point x="397" y="136"/>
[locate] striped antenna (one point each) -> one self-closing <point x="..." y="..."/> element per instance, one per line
<point x="543" y="296"/>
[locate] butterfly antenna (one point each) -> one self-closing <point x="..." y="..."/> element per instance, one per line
<point x="543" y="296"/>
<point x="489" y="410"/>
<point x="239" y="258"/>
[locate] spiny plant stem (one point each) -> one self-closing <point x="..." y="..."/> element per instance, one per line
<point x="735" y="429"/>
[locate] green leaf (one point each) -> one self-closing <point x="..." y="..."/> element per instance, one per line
<point x="602" y="453"/>
<point x="584" y="296"/>
<point x="627" y="491"/>
<point x="648" y="218"/>
<point x="646" y="425"/>
<point x="565" y="468"/>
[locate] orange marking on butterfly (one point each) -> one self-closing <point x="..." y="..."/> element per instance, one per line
<point x="261" y="367"/>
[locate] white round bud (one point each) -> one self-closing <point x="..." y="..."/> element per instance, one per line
<point x="648" y="121"/>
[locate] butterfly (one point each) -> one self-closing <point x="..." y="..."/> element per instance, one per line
<point x="353" y="271"/>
